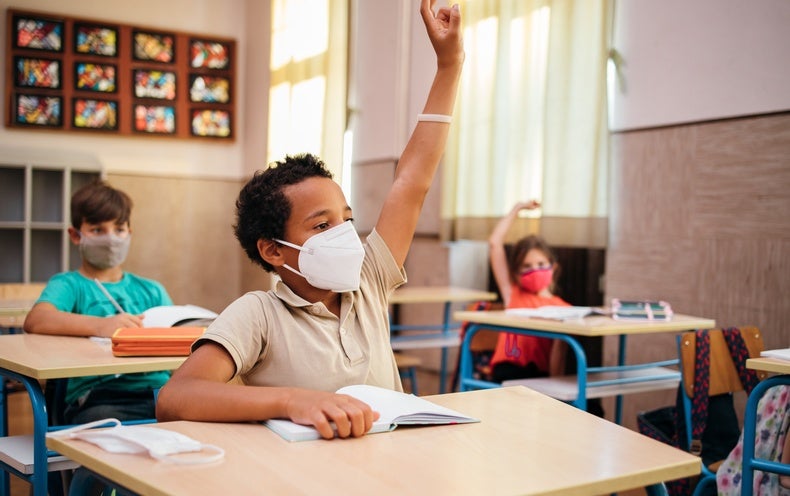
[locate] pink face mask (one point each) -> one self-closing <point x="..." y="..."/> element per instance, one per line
<point x="534" y="281"/>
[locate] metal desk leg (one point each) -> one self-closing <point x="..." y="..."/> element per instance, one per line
<point x="5" y="485"/>
<point x="446" y="332"/>
<point x="40" y="424"/>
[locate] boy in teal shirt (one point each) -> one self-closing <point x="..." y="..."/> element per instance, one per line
<point x="75" y="304"/>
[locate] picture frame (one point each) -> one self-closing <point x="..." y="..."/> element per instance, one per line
<point x="154" y="119"/>
<point x="37" y="72"/>
<point x="209" y="89"/>
<point x="209" y="54"/>
<point x="152" y="46"/>
<point x="100" y="78"/>
<point x="94" y="114"/>
<point x="154" y="83"/>
<point x="95" y="39"/>
<point x="38" y="110"/>
<point x="211" y="123"/>
<point x="76" y="74"/>
<point x="38" y="33"/>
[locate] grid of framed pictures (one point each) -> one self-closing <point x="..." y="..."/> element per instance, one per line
<point x="87" y="75"/>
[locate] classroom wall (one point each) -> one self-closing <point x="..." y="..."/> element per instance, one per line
<point x="699" y="210"/>
<point x="183" y="189"/>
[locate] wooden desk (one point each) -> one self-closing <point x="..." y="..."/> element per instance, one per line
<point x="16" y="299"/>
<point x="595" y="325"/>
<point x="750" y="463"/>
<point x="30" y="358"/>
<point x="444" y="335"/>
<point x="526" y="443"/>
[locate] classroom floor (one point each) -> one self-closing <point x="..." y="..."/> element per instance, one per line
<point x="21" y="422"/>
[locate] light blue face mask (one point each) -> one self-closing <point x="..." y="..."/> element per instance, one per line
<point x="104" y="251"/>
<point x="331" y="259"/>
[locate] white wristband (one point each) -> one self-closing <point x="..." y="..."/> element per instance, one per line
<point x="435" y="118"/>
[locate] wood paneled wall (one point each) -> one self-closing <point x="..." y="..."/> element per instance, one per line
<point x="700" y="217"/>
<point x="182" y="236"/>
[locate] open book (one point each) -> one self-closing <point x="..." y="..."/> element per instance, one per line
<point x="395" y="408"/>
<point x="782" y="353"/>
<point x="172" y="315"/>
<point x="553" y="312"/>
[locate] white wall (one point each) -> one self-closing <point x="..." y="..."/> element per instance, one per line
<point x="146" y="155"/>
<point x="697" y="60"/>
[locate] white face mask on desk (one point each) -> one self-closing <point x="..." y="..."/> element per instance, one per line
<point x="161" y="444"/>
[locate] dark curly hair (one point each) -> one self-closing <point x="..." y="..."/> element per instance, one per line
<point x="262" y="208"/>
<point x="520" y="250"/>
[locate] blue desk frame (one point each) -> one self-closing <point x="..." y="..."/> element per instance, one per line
<point x="468" y="382"/>
<point x="750" y="463"/>
<point x="446" y="330"/>
<point x="38" y="479"/>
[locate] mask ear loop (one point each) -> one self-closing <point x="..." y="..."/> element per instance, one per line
<point x="219" y="454"/>
<point x="108" y="422"/>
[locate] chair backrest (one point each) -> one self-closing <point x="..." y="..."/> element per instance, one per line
<point x="724" y="377"/>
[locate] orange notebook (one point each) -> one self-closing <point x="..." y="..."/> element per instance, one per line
<point x="155" y="341"/>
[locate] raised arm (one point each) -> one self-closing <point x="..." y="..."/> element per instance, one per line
<point x="420" y="158"/>
<point x="496" y="248"/>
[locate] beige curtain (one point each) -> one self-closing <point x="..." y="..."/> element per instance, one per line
<point x="530" y="120"/>
<point x="307" y="97"/>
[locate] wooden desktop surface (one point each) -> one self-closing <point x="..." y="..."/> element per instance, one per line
<point x="775" y="365"/>
<point x="594" y="325"/>
<point x="439" y="294"/>
<point x="13" y="312"/>
<point x="526" y="443"/>
<point x="42" y="356"/>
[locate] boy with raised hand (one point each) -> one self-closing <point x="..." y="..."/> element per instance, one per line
<point x="96" y="300"/>
<point x="325" y="324"/>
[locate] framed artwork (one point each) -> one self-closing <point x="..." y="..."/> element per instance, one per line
<point x="209" y="89"/>
<point x="154" y="47"/>
<point x="155" y="84"/>
<point x="37" y="110"/>
<point x="34" y="72"/>
<point x="210" y="123"/>
<point x="94" y="77"/>
<point x="76" y="74"/>
<point x="89" y="113"/>
<point x="92" y="39"/>
<point x="209" y="54"/>
<point x="154" y="119"/>
<point x="38" y="33"/>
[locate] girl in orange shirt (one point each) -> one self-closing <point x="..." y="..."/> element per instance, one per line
<point x="525" y="280"/>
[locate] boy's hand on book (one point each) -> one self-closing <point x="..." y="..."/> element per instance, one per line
<point x="331" y="414"/>
<point x="108" y="325"/>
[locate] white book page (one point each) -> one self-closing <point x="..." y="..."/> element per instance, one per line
<point x="169" y="315"/>
<point x="401" y="408"/>
<point x="783" y="354"/>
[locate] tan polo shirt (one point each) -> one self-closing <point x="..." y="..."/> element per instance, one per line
<point x="276" y="338"/>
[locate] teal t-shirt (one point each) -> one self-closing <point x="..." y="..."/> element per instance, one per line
<point x="72" y="292"/>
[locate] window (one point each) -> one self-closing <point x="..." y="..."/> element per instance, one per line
<point x="307" y="101"/>
<point x="530" y="119"/>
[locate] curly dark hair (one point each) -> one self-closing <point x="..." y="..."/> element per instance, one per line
<point x="262" y="208"/>
<point x="520" y="250"/>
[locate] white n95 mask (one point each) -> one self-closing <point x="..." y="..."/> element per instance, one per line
<point x="161" y="444"/>
<point x="331" y="259"/>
